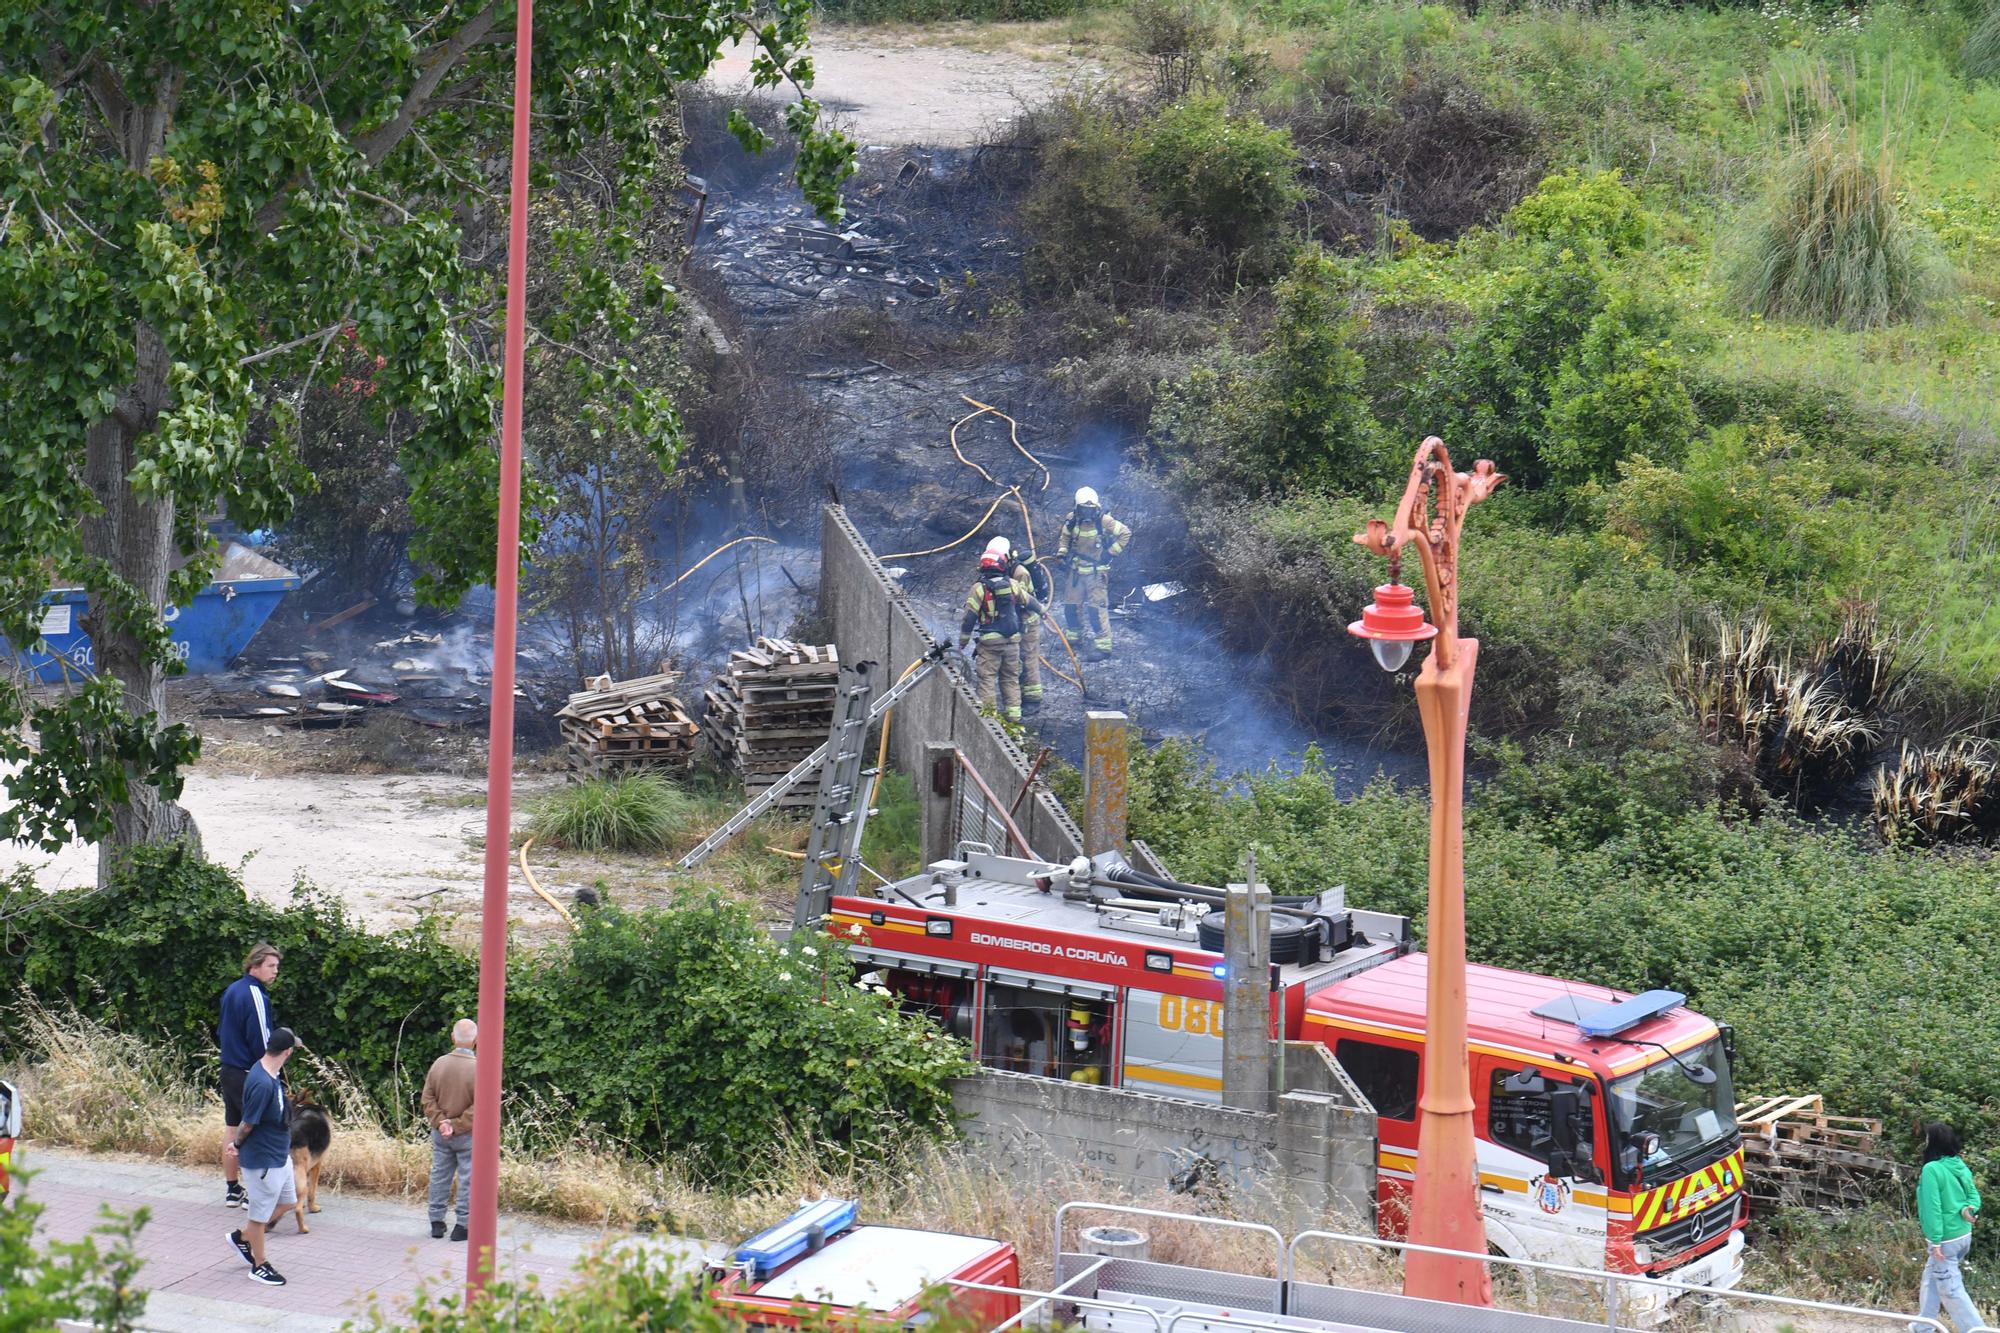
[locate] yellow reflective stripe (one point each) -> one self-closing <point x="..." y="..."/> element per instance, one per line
<point x="1172" y="1078"/>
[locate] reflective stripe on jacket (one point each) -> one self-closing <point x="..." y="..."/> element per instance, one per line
<point x="1091" y="539"/>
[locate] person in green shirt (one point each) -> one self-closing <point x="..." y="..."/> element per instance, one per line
<point x="1947" y="1205"/>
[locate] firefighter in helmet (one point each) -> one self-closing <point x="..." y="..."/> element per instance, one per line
<point x="993" y="611"/>
<point x="1091" y="540"/>
<point x="1032" y="576"/>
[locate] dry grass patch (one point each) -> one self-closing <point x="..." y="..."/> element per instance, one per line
<point x="89" y="1088"/>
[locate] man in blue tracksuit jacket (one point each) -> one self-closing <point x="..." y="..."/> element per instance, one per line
<point x="242" y="1034"/>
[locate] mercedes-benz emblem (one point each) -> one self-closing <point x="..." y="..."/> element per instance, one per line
<point x="1697" y="1225"/>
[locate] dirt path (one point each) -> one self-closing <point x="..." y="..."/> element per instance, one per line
<point x="390" y="846"/>
<point x="894" y="88"/>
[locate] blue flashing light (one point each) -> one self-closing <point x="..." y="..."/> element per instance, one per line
<point x="1221" y="970"/>
<point x="1612" y="1019"/>
<point x="802" y="1232"/>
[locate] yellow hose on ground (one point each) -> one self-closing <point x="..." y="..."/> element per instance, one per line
<point x="1013" y="434"/>
<point x="998" y="500"/>
<point x="961" y="453"/>
<point x="529" y="875"/>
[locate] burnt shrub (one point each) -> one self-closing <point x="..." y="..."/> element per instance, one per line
<point x="1435" y="154"/>
<point x="1188" y="201"/>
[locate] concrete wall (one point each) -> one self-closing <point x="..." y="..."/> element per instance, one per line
<point x="1310" y="1164"/>
<point x="873" y="622"/>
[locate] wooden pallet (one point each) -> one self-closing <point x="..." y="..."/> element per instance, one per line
<point x="628" y="725"/>
<point x="770" y="707"/>
<point x="1796" y="1154"/>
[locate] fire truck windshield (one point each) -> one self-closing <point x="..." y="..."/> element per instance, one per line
<point x="1692" y="1123"/>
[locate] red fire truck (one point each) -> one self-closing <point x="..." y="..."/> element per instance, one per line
<point x="1607" y="1134"/>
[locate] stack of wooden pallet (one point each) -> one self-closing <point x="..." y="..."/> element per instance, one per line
<point x="615" y="727"/>
<point x="772" y="707"/>
<point x="1795" y="1155"/>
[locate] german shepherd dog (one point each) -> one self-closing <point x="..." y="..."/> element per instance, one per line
<point x="312" y="1134"/>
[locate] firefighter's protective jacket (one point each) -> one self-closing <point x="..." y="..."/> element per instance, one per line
<point x="995" y="605"/>
<point x="1032" y="577"/>
<point x="1092" y="538"/>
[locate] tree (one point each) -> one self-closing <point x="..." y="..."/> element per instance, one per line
<point x="199" y="201"/>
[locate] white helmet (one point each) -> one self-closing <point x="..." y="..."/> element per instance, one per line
<point x="1086" y="496"/>
<point x="1000" y="546"/>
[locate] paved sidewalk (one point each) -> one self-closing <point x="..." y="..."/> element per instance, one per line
<point x="361" y="1250"/>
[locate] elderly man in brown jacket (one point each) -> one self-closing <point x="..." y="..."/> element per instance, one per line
<point x="447" y="1105"/>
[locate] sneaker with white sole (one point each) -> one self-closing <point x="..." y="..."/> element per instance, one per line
<point x="235" y="1196"/>
<point x="242" y="1248"/>
<point x="267" y="1275"/>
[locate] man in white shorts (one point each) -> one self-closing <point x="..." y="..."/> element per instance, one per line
<point x="262" y="1149"/>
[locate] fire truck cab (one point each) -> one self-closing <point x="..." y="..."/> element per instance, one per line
<point x="1607" y="1135"/>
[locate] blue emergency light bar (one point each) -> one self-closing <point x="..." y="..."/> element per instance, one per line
<point x="1612" y="1019"/>
<point x="802" y="1232"/>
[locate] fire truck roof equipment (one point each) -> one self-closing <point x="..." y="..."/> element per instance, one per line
<point x="881" y="1268"/>
<point x="804" y="1231"/>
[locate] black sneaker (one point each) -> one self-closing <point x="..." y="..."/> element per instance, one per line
<point x="267" y="1275"/>
<point x="242" y="1248"/>
<point x="437" y="1231"/>
<point x="235" y="1196"/>
<point x="458" y="1232"/>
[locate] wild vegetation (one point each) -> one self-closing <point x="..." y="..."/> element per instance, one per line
<point x="683" y="1025"/>
<point x="1715" y="288"/>
<point x="639" y="813"/>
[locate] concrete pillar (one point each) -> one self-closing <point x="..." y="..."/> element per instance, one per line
<point x="937" y="785"/>
<point x="1106" y="774"/>
<point x="1246" y="996"/>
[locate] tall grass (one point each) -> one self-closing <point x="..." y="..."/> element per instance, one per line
<point x="1832" y="246"/>
<point x="1981" y="56"/>
<point x="634" y="814"/>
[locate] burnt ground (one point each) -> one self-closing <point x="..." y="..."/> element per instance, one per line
<point x="880" y="330"/>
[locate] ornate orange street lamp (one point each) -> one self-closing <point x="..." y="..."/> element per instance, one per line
<point x="1444" y="1204"/>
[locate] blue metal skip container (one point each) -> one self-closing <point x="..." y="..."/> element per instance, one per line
<point x="207" y="634"/>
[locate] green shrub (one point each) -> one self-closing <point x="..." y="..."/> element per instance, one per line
<point x="1230" y="181"/>
<point x="1495" y="387"/>
<point x="1576" y="210"/>
<point x="87" y="1283"/>
<point x="1093" y="227"/>
<point x="1209" y="424"/>
<point x="641" y="813"/>
<point x="682" y="1029"/>
<point x="1832" y="246"/>
<point x="1623" y="391"/>
<point x="691" y="1029"/>
<point x="1321" y="432"/>
<point x="1752" y="502"/>
<point x="893" y="843"/>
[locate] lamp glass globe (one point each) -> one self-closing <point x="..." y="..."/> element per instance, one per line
<point x="1390" y="654"/>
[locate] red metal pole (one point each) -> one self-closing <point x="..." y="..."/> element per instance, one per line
<point x="485" y="1219"/>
